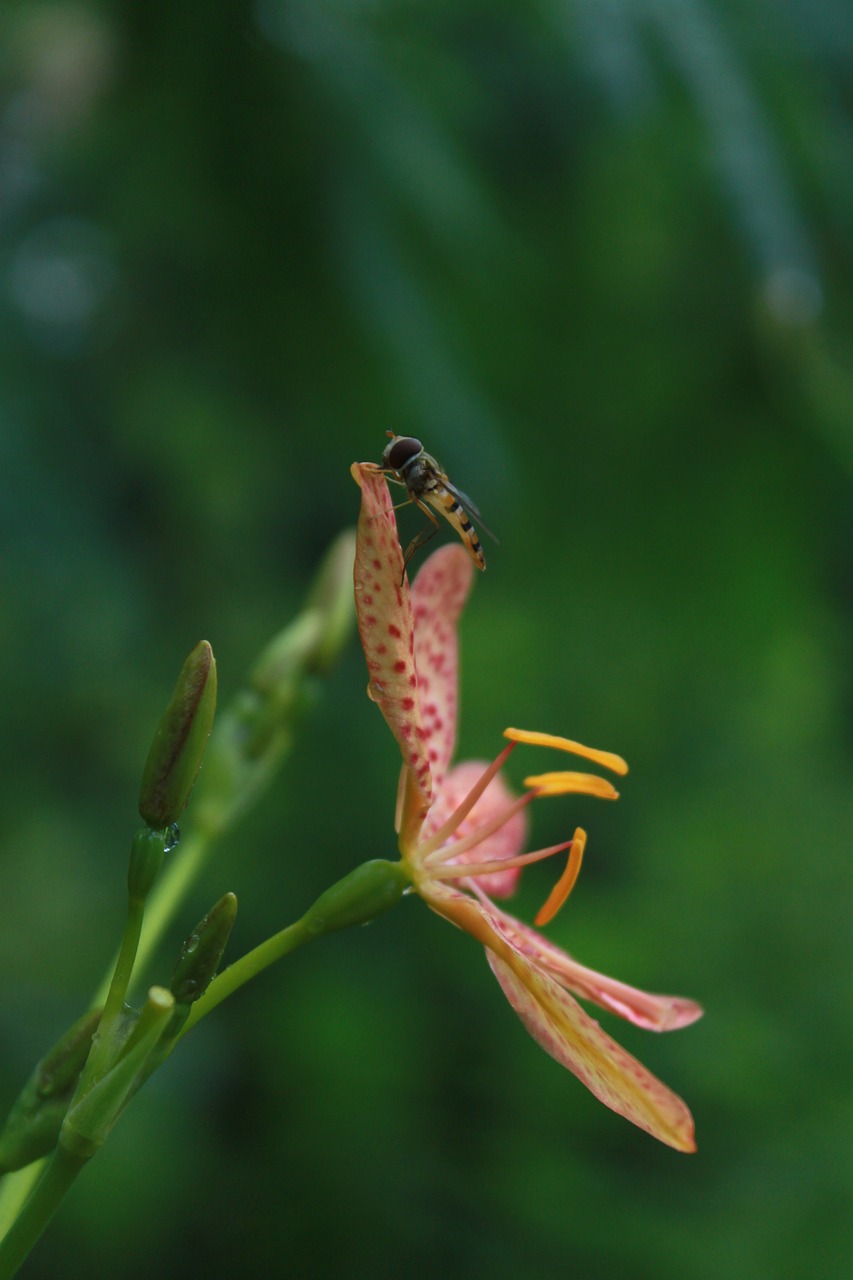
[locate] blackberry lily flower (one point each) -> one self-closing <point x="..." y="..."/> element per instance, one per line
<point x="461" y="831"/>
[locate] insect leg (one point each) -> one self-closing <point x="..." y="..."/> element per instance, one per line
<point x="423" y="536"/>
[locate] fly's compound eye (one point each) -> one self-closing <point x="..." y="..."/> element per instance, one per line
<point x="401" y="450"/>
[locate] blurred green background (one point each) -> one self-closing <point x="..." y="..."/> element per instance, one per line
<point x="597" y="256"/>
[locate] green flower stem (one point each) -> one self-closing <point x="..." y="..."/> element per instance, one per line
<point x="175" y="881"/>
<point x="168" y="892"/>
<point x="91" y="1117"/>
<point x="38" y="1210"/>
<point x="85" y="1128"/>
<point x="365" y="893"/>
<point x="246" y="968"/>
<point x="102" y="1046"/>
<point x="14" y="1189"/>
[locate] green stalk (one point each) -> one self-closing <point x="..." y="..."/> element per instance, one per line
<point x="246" y="968"/>
<point x="170" y="890"/>
<point x="38" y="1210"/>
<point x="363" y="895"/>
<point x="102" y="1046"/>
<point x="14" y="1189"/>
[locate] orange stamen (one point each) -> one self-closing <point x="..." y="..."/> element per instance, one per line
<point x="561" y="784"/>
<point x="566" y="882"/>
<point x="607" y="759"/>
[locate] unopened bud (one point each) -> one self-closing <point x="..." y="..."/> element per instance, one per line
<point x="33" y="1125"/>
<point x="179" y="743"/>
<point x="256" y="731"/>
<point x="315" y="637"/>
<point x="202" y="951"/>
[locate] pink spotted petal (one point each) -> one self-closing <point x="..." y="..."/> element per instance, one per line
<point x="652" y="1012"/>
<point x="438" y="596"/>
<point x="558" y="1023"/>
<point x="506" y="842"/>
<point x="386" y="625"/>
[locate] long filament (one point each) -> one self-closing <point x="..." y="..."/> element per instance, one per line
<point x="460" y="813"/>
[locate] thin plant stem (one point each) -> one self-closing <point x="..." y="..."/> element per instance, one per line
<point x="102" y="1045"/>
<point x="124" y="965"/>
<point x="246" y="968"/>
<point x="14" y="1189"/>
<point x="39" y="1208"/>
<point x="162" y="902"/>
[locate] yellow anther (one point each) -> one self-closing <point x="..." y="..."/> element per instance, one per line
<point x="566" y="882"/>
<point x="561" y="784"/>
<point x="607" y="759"/>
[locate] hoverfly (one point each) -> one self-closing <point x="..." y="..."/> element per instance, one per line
<point x="409" y="464"/>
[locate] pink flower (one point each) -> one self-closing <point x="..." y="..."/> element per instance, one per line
<point x="461" y="832"/>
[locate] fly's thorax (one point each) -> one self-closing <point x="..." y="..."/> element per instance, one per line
<point x="422" y="475"/>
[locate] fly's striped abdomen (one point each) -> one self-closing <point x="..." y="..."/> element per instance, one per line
<point x="444" y="502"/>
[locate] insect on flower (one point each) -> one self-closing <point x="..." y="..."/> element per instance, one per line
<point x="429" y="486"/>
<point x="461" y="831"/>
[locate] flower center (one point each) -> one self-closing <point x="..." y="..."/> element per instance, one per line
<point x="442" y="857"/>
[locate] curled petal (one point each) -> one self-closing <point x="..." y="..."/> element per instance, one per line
<point x="652" y="1012"/>
<point x="438" y="595"/>
<point x="386" y="626"/>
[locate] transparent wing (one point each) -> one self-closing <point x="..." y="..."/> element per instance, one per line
<point x="470" y="508"/>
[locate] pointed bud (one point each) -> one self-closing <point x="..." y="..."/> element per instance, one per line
<point x="315" y="637"/>
<point x="332" y="598"/>
<point x="202" y="951"/>
<point x="178" y="747"/>
<point x="256" y="730"/>
<point x="33" y="1125"/>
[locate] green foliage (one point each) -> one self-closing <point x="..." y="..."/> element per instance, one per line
<point x="597" y="258"/>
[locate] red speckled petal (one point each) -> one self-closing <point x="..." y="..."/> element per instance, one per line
<point x="439" y="593"/>
<point x="506" y="842"/>
<point x="386" y="625"/>
<point x="653" y="1012"/>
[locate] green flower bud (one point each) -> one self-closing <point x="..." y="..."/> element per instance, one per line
<point x="368" y="892"/>
<point x="202" y="951"/>
<point x="33" y="1125"/>
<point x="256" y="731"/>
<point x="313" y="640"/>
<point x="178" y="747"/>
<point x="332" y="597"/>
